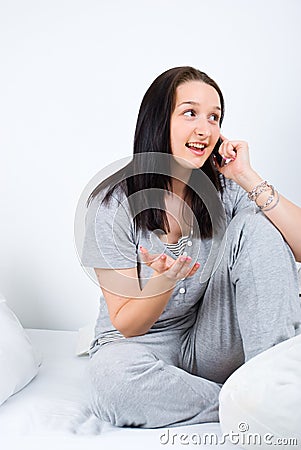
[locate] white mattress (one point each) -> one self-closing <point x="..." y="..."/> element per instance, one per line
<point x="48" y="413"/>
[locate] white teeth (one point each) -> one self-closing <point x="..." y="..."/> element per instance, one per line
<point x="196" y="145"/>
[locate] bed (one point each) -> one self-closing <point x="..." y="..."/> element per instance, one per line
<point x="49" y="412"/>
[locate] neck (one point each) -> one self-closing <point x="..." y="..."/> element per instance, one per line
<point x="180" y="177"/>
<point x="178" y="187"/>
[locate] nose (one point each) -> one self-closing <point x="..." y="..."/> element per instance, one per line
<point x="202" y="128"/>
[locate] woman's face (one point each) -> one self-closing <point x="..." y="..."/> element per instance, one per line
<point x="194" y="126"/>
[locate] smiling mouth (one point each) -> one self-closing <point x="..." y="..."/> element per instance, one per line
<point x="196" y="147"/>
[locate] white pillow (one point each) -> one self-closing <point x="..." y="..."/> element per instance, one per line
<point x="18" y="362"/>
<point x="264" y="397"/>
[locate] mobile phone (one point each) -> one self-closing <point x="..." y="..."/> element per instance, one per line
<point x="215" y="152"/>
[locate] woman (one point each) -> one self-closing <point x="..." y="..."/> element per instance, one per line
<point x="185" y="303"/>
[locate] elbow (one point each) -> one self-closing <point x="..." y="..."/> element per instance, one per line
<point x="127" y="330"/>
<point x="131" y="334"/>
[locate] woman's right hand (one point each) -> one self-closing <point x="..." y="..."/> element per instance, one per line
<point x="165" y="265"/>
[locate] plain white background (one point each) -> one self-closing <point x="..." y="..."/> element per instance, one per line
<point x="72" y="77"/>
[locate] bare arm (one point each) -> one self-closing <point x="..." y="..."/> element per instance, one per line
<point x="133" y="311"/>
<point x="286" y="216"/>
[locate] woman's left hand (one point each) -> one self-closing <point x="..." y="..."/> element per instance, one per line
<point x="162" y="263"/>
<point x="236" y="159"/>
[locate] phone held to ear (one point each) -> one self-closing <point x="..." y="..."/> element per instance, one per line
<point x="219" y="159"/>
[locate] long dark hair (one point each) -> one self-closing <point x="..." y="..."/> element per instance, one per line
<point x="152" y="136"/>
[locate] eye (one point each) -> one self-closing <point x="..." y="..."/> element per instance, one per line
<point x="214" y="117"/>
<point x="189" y="113"/>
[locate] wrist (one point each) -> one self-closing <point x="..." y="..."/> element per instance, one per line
<point x="249" y="180"/>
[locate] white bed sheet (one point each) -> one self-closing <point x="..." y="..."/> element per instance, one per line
<point x="48" y="413"/>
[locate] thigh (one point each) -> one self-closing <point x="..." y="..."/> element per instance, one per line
<point x="164" y="344"/>
<point x="122" y="359"/>
<point x="213" y="347"/>
<point x="131" y="386"/>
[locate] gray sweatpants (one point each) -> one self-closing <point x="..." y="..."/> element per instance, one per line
<point x="173" y="377"/>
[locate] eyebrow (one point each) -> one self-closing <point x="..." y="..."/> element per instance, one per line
<point x="190" y="102"/>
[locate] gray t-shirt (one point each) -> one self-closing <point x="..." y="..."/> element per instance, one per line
<point x="112" y="242"/>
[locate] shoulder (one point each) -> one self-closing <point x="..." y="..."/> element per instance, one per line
<point x="107" y="203"/>
<point x="109" y="196"/>
<point x="109" y="239"/>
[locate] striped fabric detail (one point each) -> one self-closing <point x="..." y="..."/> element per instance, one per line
<point x="110" y="336"/>
<point x="179" y="247"/>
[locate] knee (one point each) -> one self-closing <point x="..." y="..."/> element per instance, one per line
<point x="116" y="373"/>
<point x="249" y="221"/>
<point x="258" y="226"/>
<point x="114" y="365"/>
<point x="255" y="231"/>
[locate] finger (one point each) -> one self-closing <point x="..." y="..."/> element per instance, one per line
<point x="178" y="265"/>
<point x="226" y="157"/>
<point x="224" y="147"/>
<point x="146" y="256"/>
<point x="183" y="270"/>
<point x="227" y="150"/>
<point x="192" y="271"/>
<point x="238" y="143"/>
<point x="143" y="250"/>
<point x="234" y="142"/>
<point x="224" y="162"/>
<point x="163" y="262"/>
<point x="167" y="260"/>
<point x="163" y="265"/>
